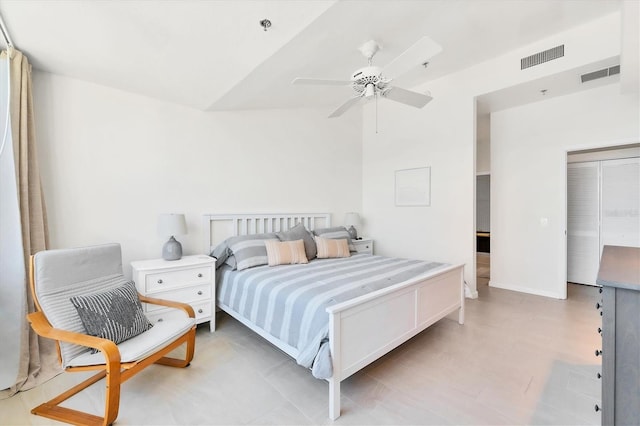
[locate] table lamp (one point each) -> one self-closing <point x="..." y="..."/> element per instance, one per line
<point x="171" y="224"/>
<point x="352" y="222"/>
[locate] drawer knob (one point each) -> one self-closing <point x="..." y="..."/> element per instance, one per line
<point x="199" y="311"/>
<point x="598" y="352"/>
<point x="599" y="376"/>
<point x="600" y="290"/>
<point x="597" y="408"/>
<point x="599" y="330"/>
<point x="160" y="281"/>
<point x="159" y="319"/>
<point x="598" y="305"/>
<point x="200" y="293"/>
<point x="199" y="275"/>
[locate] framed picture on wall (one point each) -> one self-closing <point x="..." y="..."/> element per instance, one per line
<point x="413" y="187"/>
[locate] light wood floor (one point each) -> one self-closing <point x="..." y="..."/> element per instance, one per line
<point x="519" y="359"/>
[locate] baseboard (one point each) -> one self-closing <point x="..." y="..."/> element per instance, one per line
<point x="528" y="290"/>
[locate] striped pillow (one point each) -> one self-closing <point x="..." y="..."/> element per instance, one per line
<point x="338" y="232"/>
<point x="285" y="252"/>
<point x="329" y="247"/>
<point x="249" y="250"/>
<point x="114" y="314"/>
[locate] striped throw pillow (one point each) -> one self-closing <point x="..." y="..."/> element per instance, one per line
<point x="329" y="247"/>
<point x="285" y="252"/>
<point x="249" y="252"/>
<point x="336" y="233"/>
<point x="114" y="314"/>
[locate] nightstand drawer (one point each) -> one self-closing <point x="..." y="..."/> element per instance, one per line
<point x="186" y="295"/>
<point x="202" y="310"/>
<point x="364" y="245"/>
<point x="171" y="279"/>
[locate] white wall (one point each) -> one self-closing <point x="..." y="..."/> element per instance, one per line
<point x="112" y="161"/>
<point x="529" y="148"/>
<point x="483" y="148"/>
<point x="443" y="135"/>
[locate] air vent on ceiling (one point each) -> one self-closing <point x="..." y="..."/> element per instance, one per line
<point x="606" y="72"/>
<point x="542" y="57"/>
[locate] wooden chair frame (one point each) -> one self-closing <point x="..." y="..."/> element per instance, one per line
<point x="115" y="371"/>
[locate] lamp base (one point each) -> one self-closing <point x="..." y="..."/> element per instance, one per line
<point x="353" y="233"/>
<point x="172" y="250"/>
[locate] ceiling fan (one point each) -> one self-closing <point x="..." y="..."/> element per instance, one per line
<point x="372" y="81"/>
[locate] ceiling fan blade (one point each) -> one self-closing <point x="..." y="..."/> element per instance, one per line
<point x="320" y="82"/>
<point x="345" y="106"/>
<point x="423" y="50"/>
<point x="406" y="97"/>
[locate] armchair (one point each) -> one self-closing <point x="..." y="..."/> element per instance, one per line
<point x="56" y="276"/>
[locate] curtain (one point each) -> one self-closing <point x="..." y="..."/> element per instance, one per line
<point x="38" y="360"/>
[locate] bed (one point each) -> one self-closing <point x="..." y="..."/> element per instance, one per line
<point x="374" y="303"/>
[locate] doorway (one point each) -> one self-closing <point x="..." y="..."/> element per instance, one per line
<point x="603" y="203"/>
<point x="483" y="229"/>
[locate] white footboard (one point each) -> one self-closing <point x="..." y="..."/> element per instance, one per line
<point x="363" y="329"/>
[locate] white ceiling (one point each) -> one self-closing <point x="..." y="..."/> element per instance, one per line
<point x="213" y="55"/>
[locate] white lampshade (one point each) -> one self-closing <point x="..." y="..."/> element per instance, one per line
<point x="171" y="224"/>
<point x="352" y="219"/>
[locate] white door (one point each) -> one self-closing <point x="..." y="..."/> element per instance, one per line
<point x="583" y="217"/>
<point x="620" y="203"/>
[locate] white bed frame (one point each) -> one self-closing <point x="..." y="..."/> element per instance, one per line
<point x="363" y="329"/>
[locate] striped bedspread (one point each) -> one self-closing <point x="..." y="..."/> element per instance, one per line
<point x="289" y="301"/>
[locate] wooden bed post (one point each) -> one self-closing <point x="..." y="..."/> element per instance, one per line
<point x="334" y="381"/>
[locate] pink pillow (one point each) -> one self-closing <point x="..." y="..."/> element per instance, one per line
<point x="329" y="248"/>
<point x="285" y="252"/>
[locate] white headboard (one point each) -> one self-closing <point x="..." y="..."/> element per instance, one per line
<point x="218" y="227"/>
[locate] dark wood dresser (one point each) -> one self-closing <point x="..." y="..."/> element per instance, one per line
<point x="619" y="276"/>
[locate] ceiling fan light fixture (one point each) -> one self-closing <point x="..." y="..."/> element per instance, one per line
<point x="369" y="90"/>
<point x="370" y="81"/>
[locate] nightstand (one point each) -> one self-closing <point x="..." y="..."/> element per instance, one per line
<point x="365" y="245"/>
<point x="189" y="280"/>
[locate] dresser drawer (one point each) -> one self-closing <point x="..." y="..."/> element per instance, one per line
<point x="190" y="279"/>
<point x="165" y="280"/>
<point x="202" y="310"/>
<point x="186" y="295"/>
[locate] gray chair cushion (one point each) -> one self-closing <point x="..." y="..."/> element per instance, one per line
<point x="62" y="274"/>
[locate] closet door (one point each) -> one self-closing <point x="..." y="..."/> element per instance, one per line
<point x="620" y="205"/>
<point x="583" y="207"/>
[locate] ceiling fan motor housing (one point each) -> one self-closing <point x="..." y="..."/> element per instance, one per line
<point x="370" y="75"/>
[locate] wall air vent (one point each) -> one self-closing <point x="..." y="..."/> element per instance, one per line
<point x="542" y="57"/>
<point x="606" y="72"/>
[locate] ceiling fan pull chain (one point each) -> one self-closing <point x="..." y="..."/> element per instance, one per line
<point x="376" y="113"/>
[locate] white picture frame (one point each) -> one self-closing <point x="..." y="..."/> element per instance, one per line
<point x="413" y="187"/>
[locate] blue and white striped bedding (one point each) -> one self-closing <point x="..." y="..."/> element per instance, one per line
<point x="289" y="301"/>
